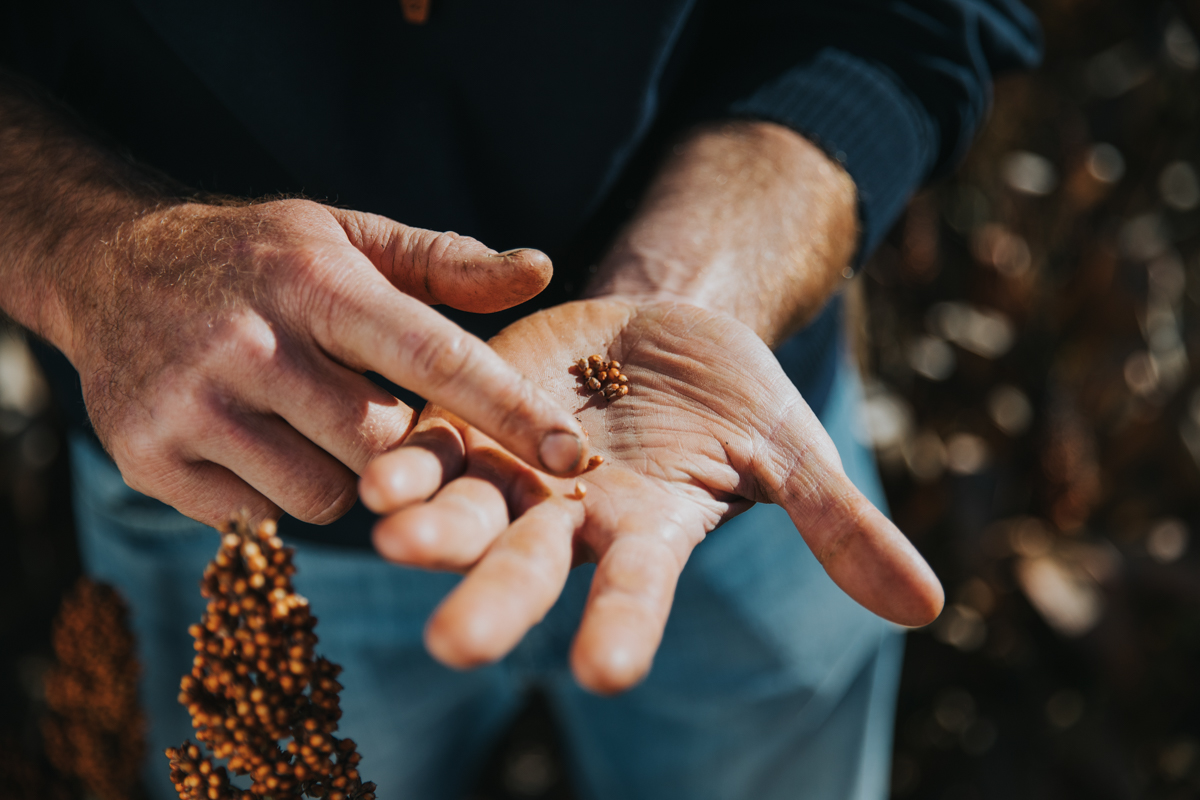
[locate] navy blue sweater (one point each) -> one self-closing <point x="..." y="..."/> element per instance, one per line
<point x="532" y="123"/>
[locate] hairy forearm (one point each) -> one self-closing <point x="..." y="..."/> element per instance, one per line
<point x="745" y="218"/>
<point x="61" y="195"/>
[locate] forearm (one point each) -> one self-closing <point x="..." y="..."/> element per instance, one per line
<point x="62" y="195"/>
<point x="745" y="218"/>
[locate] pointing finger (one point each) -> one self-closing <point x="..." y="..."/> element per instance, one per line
<point x="373" y="326"/>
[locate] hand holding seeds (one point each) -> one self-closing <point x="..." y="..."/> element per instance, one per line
<point x="712" y="426"/>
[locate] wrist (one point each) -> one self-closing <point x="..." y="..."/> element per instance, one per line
<point x="748" y="219"/>
<point x="640" y="279"/>
<point x="64" y="201"/>
<point x="77" y="269"/>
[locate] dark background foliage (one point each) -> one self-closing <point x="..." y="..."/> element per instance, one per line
<point x="1030" y="335"/>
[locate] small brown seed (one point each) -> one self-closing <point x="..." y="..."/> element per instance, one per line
<point x="614" y="365"/>
<point x="581" y="364"/>
<point x="595" y="360"/>
<point x="594" y="462"/>
<point x="622" y="378"/>
<point x="587" y="373"/>
<point x="614" y="373"/>
<point x="623" y="390"/>
<point x="580" y="490"/>
<point x="593" y="384"/>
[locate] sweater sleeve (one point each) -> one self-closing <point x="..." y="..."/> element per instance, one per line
<point x="892" y="89"/>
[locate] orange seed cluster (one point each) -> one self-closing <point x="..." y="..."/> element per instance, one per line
<point x="600" y="376"/>
<point x="95" y="729"/>
<point x="256" y="694"/>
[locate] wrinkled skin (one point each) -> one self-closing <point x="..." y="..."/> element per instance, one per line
<point x="710" y="426"/>
<point x="220" y="351"/>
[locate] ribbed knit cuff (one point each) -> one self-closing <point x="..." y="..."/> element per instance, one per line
<point x="859" y="114"/>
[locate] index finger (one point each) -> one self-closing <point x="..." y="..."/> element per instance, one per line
<point x="374" y="326"/>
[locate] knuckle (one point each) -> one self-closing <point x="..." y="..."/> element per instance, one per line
<point x="431" y="261"/>
<point x="642" y="568"/>
<point x="329" y="501"/>
<point x="145" y="461"/>
<point x="437" y="361"/>
<point x="293" y="205"/>
<point x="444" y="245"/>
<point x="423" y="541"/>
<point x="838" y="520"/>
<point x="514" y="398"/>
<point x="252" y="342"/>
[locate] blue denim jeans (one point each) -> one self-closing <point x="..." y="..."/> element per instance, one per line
<point x="770" y="682"/>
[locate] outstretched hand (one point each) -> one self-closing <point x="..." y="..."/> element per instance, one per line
<point x="710" y="426"/>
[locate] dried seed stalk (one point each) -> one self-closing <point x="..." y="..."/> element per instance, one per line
<point x="95" y="730"/>
<point x="257" y="695"/>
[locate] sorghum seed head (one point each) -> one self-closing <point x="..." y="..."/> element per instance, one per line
<point x="247" y="688"/>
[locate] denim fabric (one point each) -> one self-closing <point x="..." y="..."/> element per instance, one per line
<point x="770" y="682"/>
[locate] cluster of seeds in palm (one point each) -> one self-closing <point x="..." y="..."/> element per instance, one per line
<point x="602" y="377"/>
<point x="256" y="694"/>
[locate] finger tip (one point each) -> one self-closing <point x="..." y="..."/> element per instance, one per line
<point x="926" y="604"/>
<point x="916" y="598"/>
<point x="509" y="278"/>
<point x="539" y="272"/>
<point x="383" y="539"/>
<point x="607" y="670"/>
<point x="384" y="485"/>
<point x="370" y="492"/>
<point x="460" y="639"/>
<point x="406" y="538"/>
<point x="563" y="453"/>
<point x="885" y="573"/>
<point x="400" y="478"/>
<point x="530" y="261"/>
<point x="925" y="594"/>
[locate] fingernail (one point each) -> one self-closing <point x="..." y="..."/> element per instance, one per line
<point x="509" y="253"/>
<point x="560" y="452"/>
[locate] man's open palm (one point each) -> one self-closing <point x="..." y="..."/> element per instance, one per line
<point x="711" y="425"/>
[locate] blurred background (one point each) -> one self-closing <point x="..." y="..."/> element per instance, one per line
<point x="1030" y="334"/>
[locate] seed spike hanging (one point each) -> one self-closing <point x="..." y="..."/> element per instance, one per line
<point x="257" y="695"/>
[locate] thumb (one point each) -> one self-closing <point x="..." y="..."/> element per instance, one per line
<point x="444" y="267"/>
<point x="861" y="550"/>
